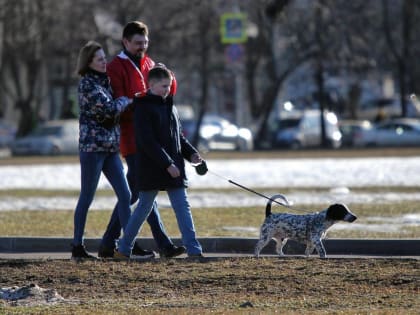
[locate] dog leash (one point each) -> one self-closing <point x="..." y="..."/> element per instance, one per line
<point x="202" y="169"/>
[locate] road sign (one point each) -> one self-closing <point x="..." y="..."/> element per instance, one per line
<point x="233" y="28"/>
<point x="234" y="53"/>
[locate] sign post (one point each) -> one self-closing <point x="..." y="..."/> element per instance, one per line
<point x="233" y="33"/>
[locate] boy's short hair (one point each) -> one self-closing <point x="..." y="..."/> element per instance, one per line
<point x="158" y="73"/>
<point x="135" y="27"/>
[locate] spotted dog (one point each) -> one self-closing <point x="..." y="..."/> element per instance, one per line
<point x="308" y="229"/>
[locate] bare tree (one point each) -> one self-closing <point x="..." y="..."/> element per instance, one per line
<point x="26" y="27"/>
<point x="400" y="41"/>
<point x="328" y="37"/>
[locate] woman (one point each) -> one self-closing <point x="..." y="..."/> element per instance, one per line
<point x="99" y="136"/>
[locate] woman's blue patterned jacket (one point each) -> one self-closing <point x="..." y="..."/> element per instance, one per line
<point x="97" y="106"/>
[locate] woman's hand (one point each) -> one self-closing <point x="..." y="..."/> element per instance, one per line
<point x="173" y="171"/>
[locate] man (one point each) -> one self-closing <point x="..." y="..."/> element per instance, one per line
<point x="128" y="73"/>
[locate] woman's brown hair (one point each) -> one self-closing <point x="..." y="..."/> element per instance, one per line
<point x="86" y="54"/>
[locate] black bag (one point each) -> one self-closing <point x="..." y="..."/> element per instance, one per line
<point x="108" y="121"/>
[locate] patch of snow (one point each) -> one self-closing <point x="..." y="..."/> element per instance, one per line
<point x="360" y="172"/>
<point x="30" y="295"/>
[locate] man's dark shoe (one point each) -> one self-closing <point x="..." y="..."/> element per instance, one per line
<point x="79" y="252"/>
<point x="199" y="255"/>
<point x="138" y="251"/>
<point x="172" y="251"/>
<point x="105" y="252"/>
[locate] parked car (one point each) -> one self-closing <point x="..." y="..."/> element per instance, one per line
<point x="7" y="133"/>
<point x="52" y="138"/>
<point x="302" y="129"/>
<point x="351" y="130"/>
<point x="218" y="133"/>
<point x="394" y="132"/>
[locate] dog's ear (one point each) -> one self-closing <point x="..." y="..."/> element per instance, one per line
<point x="337" y="212"/>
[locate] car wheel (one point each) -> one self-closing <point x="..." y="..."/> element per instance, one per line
<point x="243" y="145"/>
<point x="295" y="145"/>
<point x="334" y="144"/>
<point x="55" y="150"/>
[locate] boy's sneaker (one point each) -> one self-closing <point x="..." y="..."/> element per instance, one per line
<point x="138" y="251"/>
<point x="105" y="252"/>
<point x="120" y="256"/>
<point x="172" y="251"/>
<point x="79" y="252"/>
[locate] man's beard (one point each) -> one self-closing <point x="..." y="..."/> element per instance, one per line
<point x="141" y="54"/>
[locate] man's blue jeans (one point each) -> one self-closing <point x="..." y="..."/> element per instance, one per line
<point x="91" y="166"/>
<point x="179" y="202"/>
<point x="113" y="230"/>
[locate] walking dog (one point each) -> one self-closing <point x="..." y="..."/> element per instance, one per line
<point x="308" y="229"/>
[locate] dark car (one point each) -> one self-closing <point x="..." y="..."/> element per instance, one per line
<point x="351" y="130"/>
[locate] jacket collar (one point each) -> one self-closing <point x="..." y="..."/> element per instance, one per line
<point x="123" y="55"/>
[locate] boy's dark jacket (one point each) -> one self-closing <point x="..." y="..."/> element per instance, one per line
<point x="159" y="142"/>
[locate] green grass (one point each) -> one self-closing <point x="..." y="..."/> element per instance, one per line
<point x="209" y="222"/>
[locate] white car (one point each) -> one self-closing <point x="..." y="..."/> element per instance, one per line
<point x="302" y="129"/>
<point x="395" y="132"/>
<point x="217" y="133"/>
<point x="52" y="138"/>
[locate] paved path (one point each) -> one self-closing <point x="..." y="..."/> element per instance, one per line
<point x="59" y="248"/>
<point x="207" y="256"/>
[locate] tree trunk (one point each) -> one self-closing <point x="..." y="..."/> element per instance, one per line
<point x="27" y="117"/>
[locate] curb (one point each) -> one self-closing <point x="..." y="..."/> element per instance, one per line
<point x="370" y="247"/>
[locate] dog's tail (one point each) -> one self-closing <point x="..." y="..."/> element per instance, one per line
<point x="268" y="206"/>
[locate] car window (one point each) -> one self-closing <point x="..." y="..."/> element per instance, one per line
<point x="311" y="122"/>
<point x="71" y="129"/>
<point x="405" y="128"/>
<point x="387" y="127"/>
<point x="288" y="123"/>
<point x="210" y="120"/>
<point x="48" y="131"/>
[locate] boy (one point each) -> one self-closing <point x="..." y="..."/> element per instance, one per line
<point x="128" y="73"/>
<point x="161" y="150"/>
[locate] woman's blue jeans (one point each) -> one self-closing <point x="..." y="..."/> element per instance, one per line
<point x="113" y="230"/>
<point x="92" y="164"/>
<point x="181" y="206"/>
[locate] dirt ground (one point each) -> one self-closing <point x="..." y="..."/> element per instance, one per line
<point x="292" y="285"/>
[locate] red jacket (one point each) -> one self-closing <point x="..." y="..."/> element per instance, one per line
<point x="127" y="80"/>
